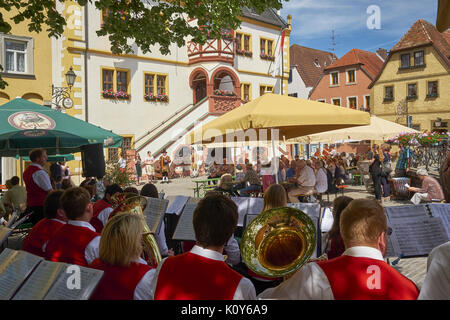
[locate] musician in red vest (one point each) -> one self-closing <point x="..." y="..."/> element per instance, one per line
<point x="76" y="242"/>
<point x="360" y="273"/>
<point x="103" y="207"/>
<point x="54" y="219"/>
<point x="37" y="183"/>
<point x="202" y="274"/>
<point x="126" y="275"/>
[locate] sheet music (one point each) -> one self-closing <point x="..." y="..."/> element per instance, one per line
<point x="4" y="233"/>
<point x="15" y="266"/>
<point x="311" y="209"/>
<point x="327" y="220"/>
<point x="40" y="281"/>
<point x="242" y="204"/>
<point x="417" y="236"/>
<point x="154" y="213"/>
<point x="407" y="212"/>
<point x="185" y="227"/>
<point x="441" y="210"/>
<point x="255" y="205"/>
<point x="89" y="281"/>
<point x="177" y="205"/>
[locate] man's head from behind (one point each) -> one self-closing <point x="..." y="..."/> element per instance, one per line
<point x="112" y="190"/>
<point x="363" y="223"/>
<point x="215" y="219"/>
<point x="76" y="203"/>
<point x="52" y="206"/>
<point x="15" y="181"/>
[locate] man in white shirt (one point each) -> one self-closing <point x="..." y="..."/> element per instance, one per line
<point x="321" y="177"/>
<point x="306" y="180"/>
<point x="437" y="281"/>
<point x="38" y="185"/>
<point x="360" y="273"/>
<point x="122" y="164"/>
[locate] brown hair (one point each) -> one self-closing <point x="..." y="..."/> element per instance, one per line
<point x="52" y="204"/>
<point x="74" y="202"/>
<point x="339" y="204"/>
<point x="215" y="219"/>
<point x="36" y="154"/>
<point x="275" y="197"/>
<point x="149" y="190"/>
<point x="362" y="222"/>
<point x="121" y="240"/>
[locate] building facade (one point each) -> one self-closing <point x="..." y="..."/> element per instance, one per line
<point x="415" y="80"/>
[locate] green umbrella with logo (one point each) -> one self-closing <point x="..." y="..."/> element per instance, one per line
<point x="25" y="125"/>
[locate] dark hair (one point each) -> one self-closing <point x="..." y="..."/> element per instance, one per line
<point x="149" y="190"/>
<point x="113" y="189"/>
<point x="14" y="180"/>
<point x="52" y="204"/>
<point x="215" y="219"/>
<point x="35" y="154"/>
<point x="339" y="204"/>
<point x="74" y="202"/>
<point x="66" y="184"/>
<point x="131" y="190"/>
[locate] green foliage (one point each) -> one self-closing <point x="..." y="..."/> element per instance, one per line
<point x="115" y="175"/>
<point x="133" y="23"/>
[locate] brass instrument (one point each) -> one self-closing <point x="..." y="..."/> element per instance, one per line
<point x="278" y="242"/>
<point x="133" y="203"/>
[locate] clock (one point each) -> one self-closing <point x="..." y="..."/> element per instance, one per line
<point x="67" y="103"/>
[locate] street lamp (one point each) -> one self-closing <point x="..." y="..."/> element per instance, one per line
<point x="61" y="95"/>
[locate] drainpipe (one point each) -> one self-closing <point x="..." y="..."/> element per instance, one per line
<point x="86" y="38"/>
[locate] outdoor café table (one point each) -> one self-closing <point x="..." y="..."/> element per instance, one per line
<point x="202" y="184"/>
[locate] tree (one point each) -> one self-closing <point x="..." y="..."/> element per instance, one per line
<point x="146" y="23"/>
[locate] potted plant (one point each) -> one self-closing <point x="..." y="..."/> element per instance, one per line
<point x="108" y="93"/>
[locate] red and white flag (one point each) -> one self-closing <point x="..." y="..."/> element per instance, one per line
<point x="279" y="57"/>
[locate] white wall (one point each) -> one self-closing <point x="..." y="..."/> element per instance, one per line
<point x="298" y="86"/>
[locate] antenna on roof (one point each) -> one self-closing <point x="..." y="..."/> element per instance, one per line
<point x="333" y="46"/>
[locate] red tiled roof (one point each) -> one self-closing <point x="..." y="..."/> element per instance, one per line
<point x="446" y="35"/>
<point x="303" y="58"/>
<point x="370" y="61"/>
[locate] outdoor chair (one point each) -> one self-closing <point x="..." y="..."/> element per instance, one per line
<point x="399" y="190"/>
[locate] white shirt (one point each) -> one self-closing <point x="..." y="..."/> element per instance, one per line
<point x="244" y="291"/>
<point x="436" y="285"/>
<point x="232" y="251"/>
<point x="103" y="216"/>
<point x="41" y="178"/>
<point x="321" y="181"/>
<point x="149" y="161"/>
<point x="307" y="177"/>
<point x="91" y="252"/>
<point x="311" y="283"/>
<point x="142" y="291"/>
<point x="122" y="163"/>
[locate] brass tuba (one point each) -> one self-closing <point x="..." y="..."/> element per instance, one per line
<point x="278" y="242"/>
<point x="133" y="203"/>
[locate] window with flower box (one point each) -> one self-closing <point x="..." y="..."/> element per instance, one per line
<point x="243" y="44"/>
<point x="115" y="83"/>
<point x="266" y="49"/>
<point x="155" y="87"/>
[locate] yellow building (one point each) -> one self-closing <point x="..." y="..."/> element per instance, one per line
<point x="415" y="80"/>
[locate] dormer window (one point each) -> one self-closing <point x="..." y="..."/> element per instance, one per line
<point x="316" y="63"/>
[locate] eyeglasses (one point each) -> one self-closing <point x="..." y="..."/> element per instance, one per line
<point x="389" y="231"/>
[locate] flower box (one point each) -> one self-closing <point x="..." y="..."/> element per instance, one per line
<point x="122" y="95"/>
<point x="225" y="93"/>
<point x="109" y="94"/>
<point x="244" y="53"/>
<point x="267" y="57"/>
<point x="159" y="97"/>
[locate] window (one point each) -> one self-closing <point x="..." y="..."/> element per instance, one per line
<point x="352" y="102"/>
<point x="334" y="78"/>
<point x="246" y="42"/>
<point x="270" y="47"/>
<point x="243" y="44"/>
<point x="155" y="87"/>
<point x="389" y="93"/>
<point x="127" y="143"/>
<point x="351" y="77"/>
<point x="161" y="85"/>
<point x="412" y="90"/>
<point x="122" y="81"/>
<point x="16" y="55"/>
<point x="238" y="42"/>
<point x="246" y="91"/>
<point x="149" y="84"/>
<point x="432" y="89"/>
<point x="263" y="46"/>
<point x="405" y="60"/>
<point x="107" y="76"/>
<point x="115" y="83"/>
<point x="266" y="48"/>
<point x="419" y="58"/>
<point x="113" y="154"/>
<point x="367" y="100"/>
<point x="295" y="95"/>
<point x="316" y="63"/>
<point x="336" y="101"/>
<point x="321" y="100"/>
<point x="263" y="89"/>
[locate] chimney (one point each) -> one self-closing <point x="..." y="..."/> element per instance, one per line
<point x="382" y="53"/>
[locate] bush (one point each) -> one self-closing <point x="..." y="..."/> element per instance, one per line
<point x="123" y="179"/>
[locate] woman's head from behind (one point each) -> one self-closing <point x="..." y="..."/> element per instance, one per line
<point x="121" y="240"/>
<point x="339" y="204"/>
<point x="226" y="181"/>
<point x="275" y="197"/>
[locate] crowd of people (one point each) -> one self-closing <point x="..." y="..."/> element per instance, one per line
<point x="74" y="226"/>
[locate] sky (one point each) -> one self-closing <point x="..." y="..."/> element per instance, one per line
<point x="314" y="20"/>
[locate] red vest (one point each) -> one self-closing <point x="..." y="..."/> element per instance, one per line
<point x="359" y="278"/>
<point x="69" y="245"/>
<point x="192" y="277"/>
<point x="98" y="207"/>
<point x="35" y="195"/>
<point x="42" y="232"/>
<point x="118" y="283"/>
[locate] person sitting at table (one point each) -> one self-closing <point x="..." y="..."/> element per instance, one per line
<point x="214" y="172"/>
<point x="321" y="177"/>
<point x="360" y="273"/>
<point x="201" y="273"/>
<point x="430" y="189"/>
<point x="252" y="178"/>
<point x="290" y="172"/>
<point x="267" y="175"/>
<point x="54" y="219"/>
<point x="226" y="185"/>
<point x="306" y="180"/>
<point x="126" y="276"/>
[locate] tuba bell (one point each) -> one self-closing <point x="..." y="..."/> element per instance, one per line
<point x="278" y="242"/>
<point x="133" y="203"/>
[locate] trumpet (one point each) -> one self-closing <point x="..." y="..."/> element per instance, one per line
<point x="132" y="203"/>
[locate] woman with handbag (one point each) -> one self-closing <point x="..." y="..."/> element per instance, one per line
<point x="386" y="169"/>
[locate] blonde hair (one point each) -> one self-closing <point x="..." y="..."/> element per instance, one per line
<point x="275" y="197"/>
<point x="362" y="222"/>
<point x="121" y="239"/>
<point x="226" y="181"/>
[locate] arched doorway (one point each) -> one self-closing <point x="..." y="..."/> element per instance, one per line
<point x="199" y="82"/>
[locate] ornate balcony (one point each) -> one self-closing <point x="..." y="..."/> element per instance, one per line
<point x="213" y="50"/>
<point x="222" y="104"/>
